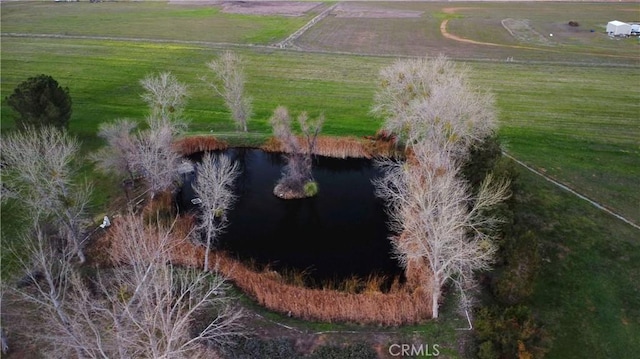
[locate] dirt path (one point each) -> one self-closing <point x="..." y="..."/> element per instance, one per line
<point x="288" y="42"/>
<point x="446" y="34"/>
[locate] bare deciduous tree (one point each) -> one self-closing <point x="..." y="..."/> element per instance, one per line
<point x="432" y="106"/>
<point x="50" y="274"/>
<point x="438" y="223"/>
<point x="144" y="308"/>
<point x="40" y="173"/>
<point x="119" y="155"/>
<point x="165" y="95"/>
<point x="214" y="188"/>
<point x="229" y="84"/>
<point x="155" y="157"/>
<point x="148" y="153"/>
<point x="298" y="170"/>
<point x="432" y="99"/>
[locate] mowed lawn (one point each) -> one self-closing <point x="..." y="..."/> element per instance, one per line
<point x="577" y="123"/>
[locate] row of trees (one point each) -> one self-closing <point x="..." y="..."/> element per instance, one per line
<point x="41" y="101"/>
<point x="439" y="224"/>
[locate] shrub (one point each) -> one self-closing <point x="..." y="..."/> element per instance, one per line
<point x="398" y="306"/>
<point x="482" y="159"/>
<point x="519" y="259"/>
<point x="40" y="101"/>
<point x="487" y="351"/>
<point x="359" y="350"/>
<point x="284" y="348"/>
<point x="310" y="188"/>
<point x="516" y="280"/>
<point x="160" y="209"/>
<point x="510" y="332"/>
<point x="258" y="348"/>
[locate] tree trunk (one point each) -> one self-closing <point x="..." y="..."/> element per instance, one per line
<point x="4" y="342"/>
<point x="206" y="253"/>
<point x="435" y="296"/>
<point x="74" y="234"/>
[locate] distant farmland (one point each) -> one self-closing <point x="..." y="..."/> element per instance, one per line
<point x="414" y="28"/>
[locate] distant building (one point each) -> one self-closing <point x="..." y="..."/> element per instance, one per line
<point x="618" y="28"/>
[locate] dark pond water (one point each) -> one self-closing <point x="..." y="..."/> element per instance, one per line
<point x="339" y="233"/>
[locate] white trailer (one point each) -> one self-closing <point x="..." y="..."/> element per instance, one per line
<point x="618" y="28"/>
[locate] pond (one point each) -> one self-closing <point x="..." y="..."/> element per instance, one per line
<point x="339" y="233"/>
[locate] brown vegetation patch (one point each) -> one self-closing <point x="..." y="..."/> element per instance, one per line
<point x="351" y="10"/>
<point x="194" y="144"/>
<point x="284" y="8"/>
<point x="345" y="147"/>
<point x="400" y="305"/>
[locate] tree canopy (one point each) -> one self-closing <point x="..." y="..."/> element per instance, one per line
<point x="41" y="101"/>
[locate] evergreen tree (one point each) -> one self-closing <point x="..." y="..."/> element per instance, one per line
<point x="41" y="101"/>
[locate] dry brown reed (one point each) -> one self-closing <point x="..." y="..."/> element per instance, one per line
<point x="399" y="306"/>
<point x="160" y="209"/>
<point x="183" y="251"/>
<point x="344" y="147"/>
<point x="366" y="304"/>
<point x="194" y="144"/>
<point x="354" y="301"/>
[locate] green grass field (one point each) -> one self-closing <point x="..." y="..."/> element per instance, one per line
<point x="151" y="19"/>
<point x="574" y="120"/>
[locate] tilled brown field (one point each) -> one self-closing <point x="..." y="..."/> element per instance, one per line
<point x="283" y="8"/>
<point x="363" y="9"/>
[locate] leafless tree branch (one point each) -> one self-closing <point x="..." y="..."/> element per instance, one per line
<point x="229" y="82"/>
<point x="145" y="307"/>
<point x="119" y="154"/>
<point x="432" y="106"/>
<point x="299" y="154"/>
<point x="215" y="177"/>
<point x="432" y="99"/>
<point x="436" y="219"/>
<point x="40" y="173"/>
<point x="165" y="95"/>
<point x="155" y="157"/>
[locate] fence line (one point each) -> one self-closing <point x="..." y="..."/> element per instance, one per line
<point x="572" y="191"/>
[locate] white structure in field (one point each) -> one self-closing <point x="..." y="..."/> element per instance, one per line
<point x="618" y="28"/>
